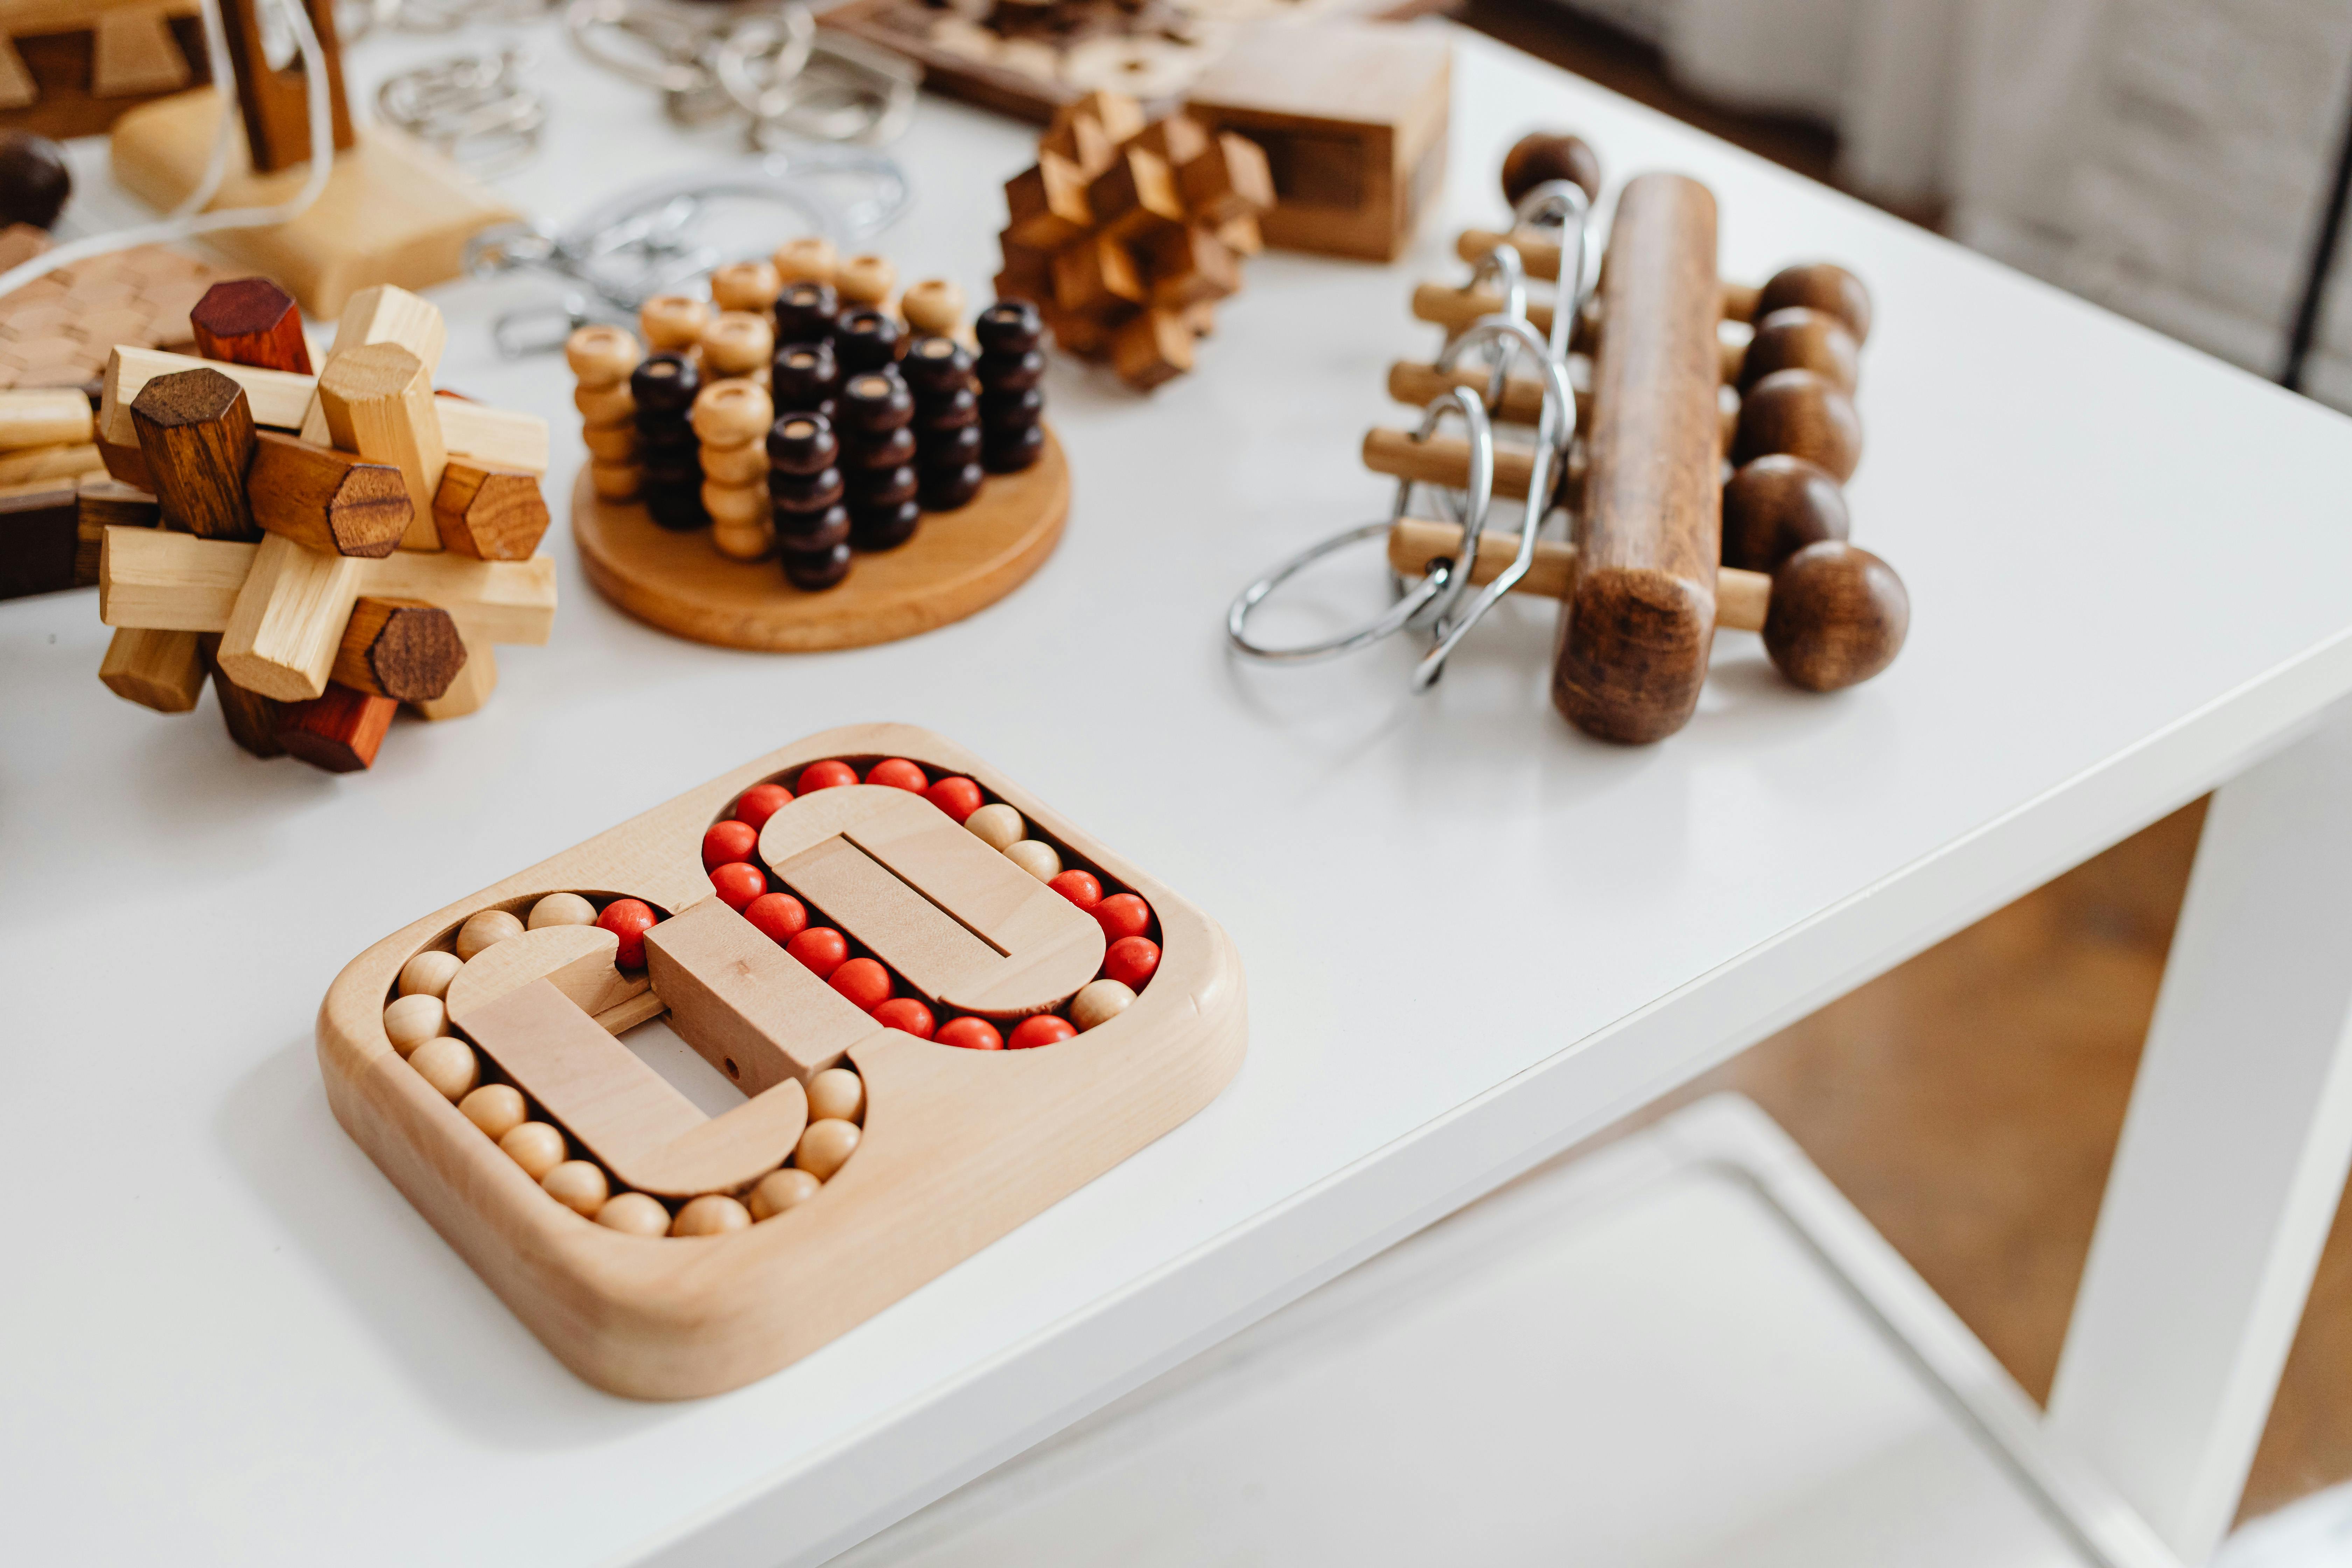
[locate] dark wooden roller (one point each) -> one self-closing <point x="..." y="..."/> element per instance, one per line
<point x="1635" y="634"/>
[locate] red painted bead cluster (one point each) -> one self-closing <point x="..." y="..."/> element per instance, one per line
<point x="730" y="851"/>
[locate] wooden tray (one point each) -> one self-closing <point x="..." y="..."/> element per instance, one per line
<point x="959" y="562"/>
<point x="959" y="1146"/>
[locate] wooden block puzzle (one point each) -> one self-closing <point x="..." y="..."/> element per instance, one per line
<point x="70" y="67"/>
<point x="313" y="576"/>
<point x="993" y="980"/>
<point x="1126" y="233"/>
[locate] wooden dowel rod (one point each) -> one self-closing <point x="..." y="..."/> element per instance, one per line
<point x="1416" y="384"/>
<point x="1444" y="460"/>
<point x="1541" y="258"/>
<point x="1741" y="597"/>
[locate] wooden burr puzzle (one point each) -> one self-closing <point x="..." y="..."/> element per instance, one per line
<point x="811" y="459"/>
<point x="947" y="1006"/>
<point x="1126" y="233"/>
<point x="1714" y="428"/>
<point x="332" y="545"/>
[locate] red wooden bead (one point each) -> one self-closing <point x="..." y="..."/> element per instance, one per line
<point x="1131" y="961"/>
<point x="738" y="883"/>
<point x="1122" y="915"/>
<point x="780" y="917"/>
<point x="956" y="796"/>
<point x="1044" y="1029"/>
<point x="1080" y="887"/>
<point x="863" y="981"/>
<point x="899" y="773"/>
<point x="822" y="948"/>
<point x="826" y="775"/>
<point x="904" y="1013"/>
<point x="760" y="803"/>
<point x="970" y="1034"/>
<point x="724" y="843"/>
<point x="628" y="919"/>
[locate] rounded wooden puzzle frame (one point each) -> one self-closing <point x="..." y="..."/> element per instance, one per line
<point x="928" y="1184"/>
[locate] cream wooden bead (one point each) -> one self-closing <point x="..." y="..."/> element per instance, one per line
<point x="836" y="1094"/>
<point x="999" y="826"/>
<point x="562" y="910"/>
<point x="934" y="305"/>
<point x="614" y="481"/>
<point x="712" y="1214"/>
<point x="429" y="973"/>
<point x="673" y="321"/>
<point x="737" y="343"/>
<point x="637" y="1213"/>
<point x="826" y="1146"/>
<point x="579" y="1186"/>
<point x="603" y="406"/>
<point x="746" y="286"/>
<point x="602" y="356"/>
<point x="536" y="1146"/>
<point x="780" y="1190"/>
<point x="448" y="1063"/>
<point x="744" y="539"/>
<point x="736" y="466"/>
<point x="497" y="1109"/>
<point x="864" y="280"/>
<point x="610" y="444"/>
<point x="732" y="413"/>
<point x="1036" y="857"/>
<point x="486" y="929"/>
<point x="737" y="504"/>
<point x="411" y="1021"/>
<point x="810" y="259"/>
<point x="1098" y="1002"/>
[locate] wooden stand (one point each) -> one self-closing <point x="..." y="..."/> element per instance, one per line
<point x="957" y="1146"/>
<point x="957" y="563"/>
<point x="393" y="212"/>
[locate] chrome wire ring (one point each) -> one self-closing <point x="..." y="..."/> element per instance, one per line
<point x="476" y="110"/>
<point x="758" y="62"/>
<point x="1563" y="204"/>
<point x="1440" y="585"/>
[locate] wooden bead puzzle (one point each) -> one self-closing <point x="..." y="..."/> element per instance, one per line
<point x="947" y="1008"/>
<point x="331" y="546"/>
<point x="812" y="459"/>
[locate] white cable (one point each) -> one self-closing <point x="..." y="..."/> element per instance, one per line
<point x="188" y="226"/>
<point x="224" y="89"/>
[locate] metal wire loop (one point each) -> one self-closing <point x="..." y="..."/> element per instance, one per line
<point x="1563" y="204"/>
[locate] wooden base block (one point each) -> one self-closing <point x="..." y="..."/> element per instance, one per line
<point x="392" y="211"/>
<point x="959" y="562"/>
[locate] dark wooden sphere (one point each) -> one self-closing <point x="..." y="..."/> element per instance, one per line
<point x="1803" y="413"/>
<point x="1838" y="615"/>
<point x="1824" y="286"/>
<point x="1798" y="337"/>
<point x="1775" y="507"/>
<point x="35" y="180"/>
<point x="1541" y="155"/>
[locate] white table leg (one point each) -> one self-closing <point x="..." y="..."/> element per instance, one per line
<point x="2233" y="1156"/>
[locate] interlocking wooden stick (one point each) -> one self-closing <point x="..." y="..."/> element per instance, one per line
<point x="489" y="514"/>
<point x="384" y="314"/>
<point x="288" y="621"/>
<point x="401" y="648"/>
<point x="379" y="403"/>
<point x="331" y="502"/>
<point x="162" y="671"/>
<point x="194" y="428"/>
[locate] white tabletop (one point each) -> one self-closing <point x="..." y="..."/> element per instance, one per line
<point x="1471" y="934"/>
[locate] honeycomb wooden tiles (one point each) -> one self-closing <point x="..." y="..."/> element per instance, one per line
<point x="907" y="966"/>
<point x="58" y="330"/>
<point x="1126" y="233"/>
<point x="330" y="547"/>
<point x="861" y="473"/>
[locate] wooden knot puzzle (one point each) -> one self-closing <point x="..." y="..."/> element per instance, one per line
<point x="332" y="545"/>
<point x="908" y="965"/>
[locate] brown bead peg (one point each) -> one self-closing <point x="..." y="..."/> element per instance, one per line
<point x="251" y="321"/>
<point x="1539" y="156"/>
<point x="195" y="432"/>
<point x="1803" y="413"/>
<point x="1824" y="286"/>
<point x="1838" y="615"/>
<point x="1777" y="505"/>
<point x="1798" y="337"/>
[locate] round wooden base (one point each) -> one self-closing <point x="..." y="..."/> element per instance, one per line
<point x="957" y="563"/>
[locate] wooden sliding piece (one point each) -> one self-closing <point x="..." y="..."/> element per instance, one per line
<point x="580" y="962"/>
<point x="162" y="671"/>
<point x="378" y="401"/>
<point x="1635" y="634"/>
<point x="1741" y="598"/>
<point x="647" y="1134"/>
<point x="58" y="417"/>
<point x="333" y="503"/>
<point x="981" y="934"/>
<point x="195" y="431"/>
<point x="404" y="650"/>
<point x="288" y="621"/>
<point x="753" y="1011"/>
<point x="50" y="462"/>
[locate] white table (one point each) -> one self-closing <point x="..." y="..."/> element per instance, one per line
<point x="1472" y="936"/>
